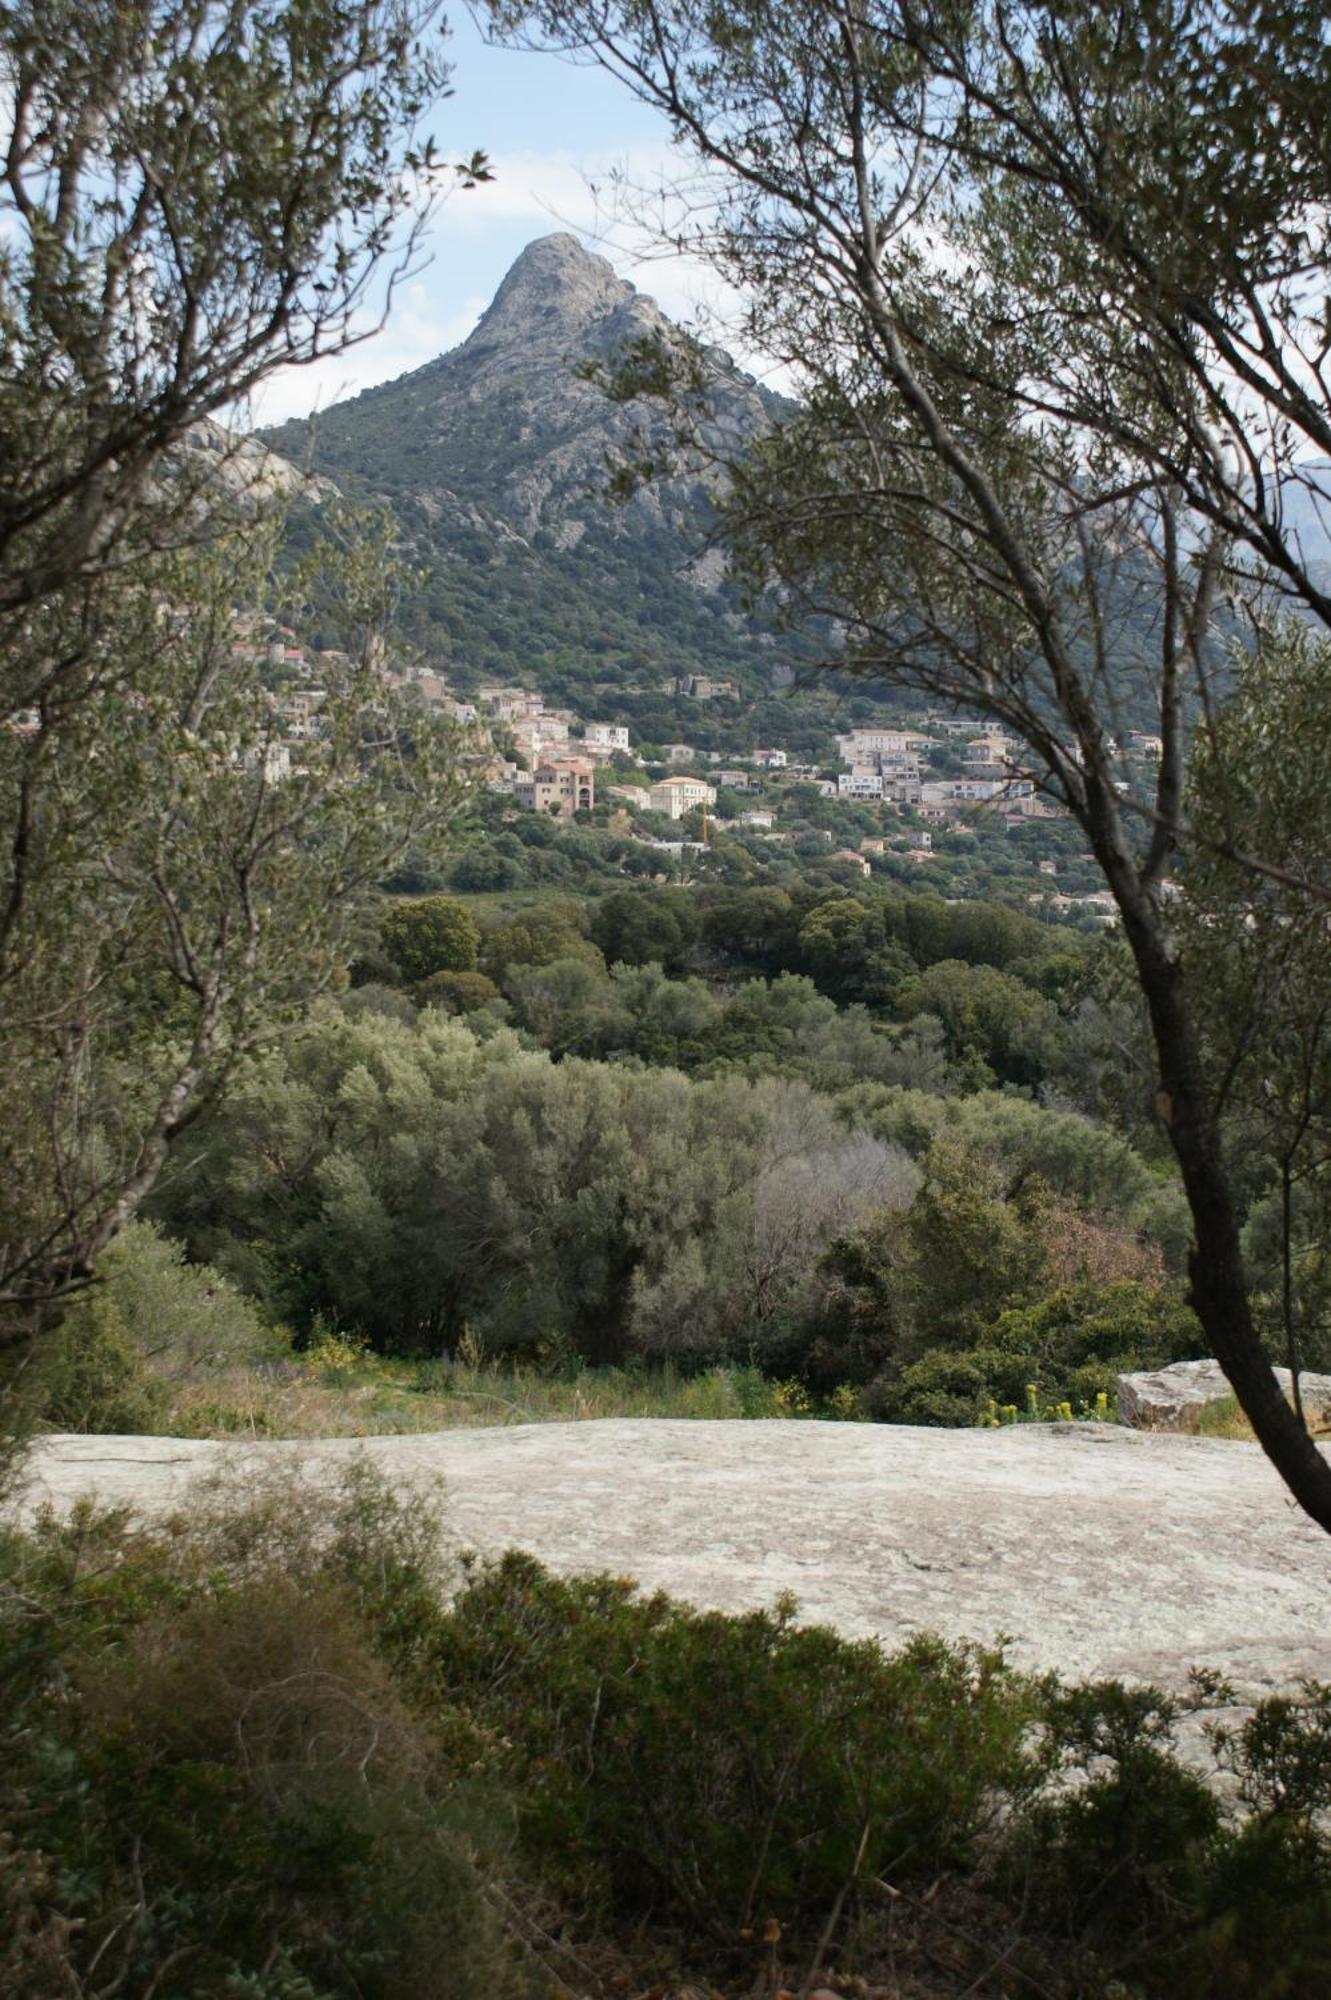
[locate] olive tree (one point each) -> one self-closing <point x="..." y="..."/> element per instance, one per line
<point x="182" y="880"/>
<point x="193" y="194"/>
<point x="1050" y="281"/>
<point x="1261" y="973"/>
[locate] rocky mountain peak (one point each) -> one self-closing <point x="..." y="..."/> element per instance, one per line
<point x="494" y="459"/>
<point x="555" y="285"/>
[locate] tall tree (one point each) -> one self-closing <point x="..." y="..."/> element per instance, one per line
<point x="1050" y="282"/>
<point x="1261" y="973"/>
<point x="183" y="880"/>
<point x="193" y="193"/>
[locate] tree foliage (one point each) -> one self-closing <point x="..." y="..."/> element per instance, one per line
<point x="418" y="1181"/>
<point x="431" y="934"/>
<point x="175" y="894"/>
<point x="1259" y="969"/>
<point x="1050" y="281"/>
<point x="193" y="196"/>
<point x="190" y="197"/>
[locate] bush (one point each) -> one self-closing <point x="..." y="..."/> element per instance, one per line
<point x="645" y="926"/>
<point x="537" y="936"/>
<point x="89" y="1374"/>
<point x="264" y="1752"/>
<point x="429" y="934"/>
<point x="1116" y="1326"/>
<point x="944" y="1388"/>
<point x="456" y="992"/>
<point x="717" y="1770"/>
<point x="215" y="1775"/>
<point x="1265" y="1912"/>
<point x="1133" y="1866"/>
<point x="1067" y="1348"/>
<point x="151" y="1321"/>
<point x="1111" y="1861"/>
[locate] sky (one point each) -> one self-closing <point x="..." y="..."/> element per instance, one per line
<point x="554" y="131"/>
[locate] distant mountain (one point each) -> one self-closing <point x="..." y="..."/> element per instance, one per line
<point x="493" y="457"/>
<point x="1306" y="514"/>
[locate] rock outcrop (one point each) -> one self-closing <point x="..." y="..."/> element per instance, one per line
<point x="1171" y="1399"/>
<point x="494" y="458"/>
<point x="509" y="419"/>
<point x="1099" y="1550"/>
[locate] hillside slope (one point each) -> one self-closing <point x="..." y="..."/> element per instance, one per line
<point x="493" y="458"/>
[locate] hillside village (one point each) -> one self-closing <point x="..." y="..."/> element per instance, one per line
<point x="920" y="776"/>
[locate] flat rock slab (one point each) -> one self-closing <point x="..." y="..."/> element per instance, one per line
<point x="1098" y="1550"/>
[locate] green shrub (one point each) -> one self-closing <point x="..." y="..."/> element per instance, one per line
<point x="89" y="1373"/>
<point x="1264" y="1918"/>
<point x="1266" y="1911"/>
<point x="1087" y="1325"/>
<point x="942" y="1388"/>
<point x="150" y="1321"/>
<point x="1131" y="1863"/>
<point x="429" y="934"/>
<point x="1110" y="1860"/>
<point x="1070" y="1346"/>
<point x="456" y="992"/>
<point x="215" y="1775"/>
<point x="720" y="1770"/>
<point x="287" y="1793"/>
<point x="263" y="1752"/>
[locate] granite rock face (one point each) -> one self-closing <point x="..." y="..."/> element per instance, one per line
<point x="495" y="458"/>
<point x="1169" y="1399"/>
<point x="1097" y="1549"/>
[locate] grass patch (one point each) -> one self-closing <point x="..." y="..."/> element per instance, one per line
<point x="1221" y="1419"/>
<point x="341" y="1390"/>
<point x="1224" y="1419"/>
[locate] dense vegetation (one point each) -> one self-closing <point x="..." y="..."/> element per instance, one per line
<point x="433" y="1185"/>
<point x="620" y="1134"/>
<point x="262" y="1750"/>
<point x="497" y="850"/>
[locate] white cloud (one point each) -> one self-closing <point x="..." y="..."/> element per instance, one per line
<point x="415" y="332"/>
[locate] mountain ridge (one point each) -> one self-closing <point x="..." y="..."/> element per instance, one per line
<point x="494" y="458"/>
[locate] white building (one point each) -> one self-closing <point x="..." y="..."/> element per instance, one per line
<point x="770" y="760"/>
<point x="902" y="783"/>
<point x="676" y="796"/>
<point x="607" y="736"/>
<point x="866" y="746"/>
<point x="538" y="735"/>
<point x="860" y="785"/>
